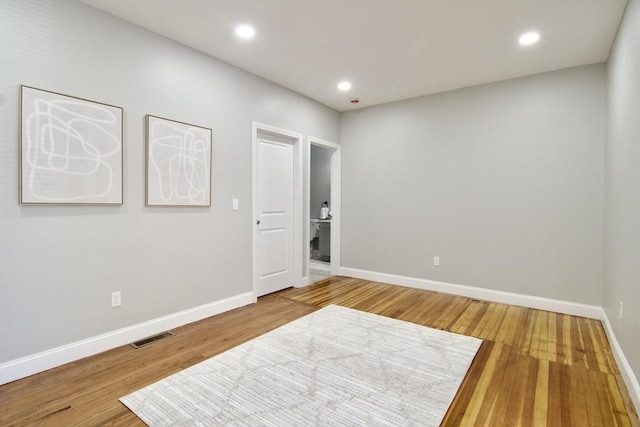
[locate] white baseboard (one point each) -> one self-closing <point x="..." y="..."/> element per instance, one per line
<point x="558" y="306"/>
<point x="39" y="362"/>
<point x="623" y="364"/>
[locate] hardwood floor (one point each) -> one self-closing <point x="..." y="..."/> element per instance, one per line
<point x="535" y="368"/>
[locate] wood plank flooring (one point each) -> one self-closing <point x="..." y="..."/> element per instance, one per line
<point x="535" y="368"/>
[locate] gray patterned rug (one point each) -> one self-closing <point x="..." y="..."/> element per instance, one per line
<point x="334" y="367"/>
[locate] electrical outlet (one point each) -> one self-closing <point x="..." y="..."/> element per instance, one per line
<point x="436" y="261"/>
<point x="235" y="204"/>
<point x="116" y="299"/>
<point x="621" y="307"/>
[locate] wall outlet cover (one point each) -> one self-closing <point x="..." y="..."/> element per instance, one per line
<point x="116" y="299"/>
<point x="621" y="309"/>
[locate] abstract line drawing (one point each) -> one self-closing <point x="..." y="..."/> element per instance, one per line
<point x="70" y="150"/>
<point x="178" y="163"/>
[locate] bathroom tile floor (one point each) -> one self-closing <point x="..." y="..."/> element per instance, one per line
<point x="318" y="275"/>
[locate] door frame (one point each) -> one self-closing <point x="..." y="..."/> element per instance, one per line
<point x="336" y="160"/>
<point x="296" y="141"/>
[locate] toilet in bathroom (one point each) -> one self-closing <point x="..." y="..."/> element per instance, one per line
<point x="320" y="239"/>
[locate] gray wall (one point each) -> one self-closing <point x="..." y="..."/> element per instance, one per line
<point x="622" y="237"/>
<point x="504" y="182"/>
<point x="320" y="179"/>
<point x="58" y="265"/>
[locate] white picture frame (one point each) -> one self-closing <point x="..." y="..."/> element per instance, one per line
<point x="178" y="163"/>
<point x="70" y="150"/>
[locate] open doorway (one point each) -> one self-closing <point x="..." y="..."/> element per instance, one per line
<point x="323" y="209"/>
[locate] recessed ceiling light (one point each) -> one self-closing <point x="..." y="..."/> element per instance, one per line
<point x="344" y="86"/>
<point x="527" y="39"/>
<point x="245" y="31"/>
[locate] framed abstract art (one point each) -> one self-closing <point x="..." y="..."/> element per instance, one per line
<point x="70" y="150"/>
<point x="178" y="163"/>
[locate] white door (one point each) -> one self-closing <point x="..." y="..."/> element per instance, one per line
<point x="275" y="215"/>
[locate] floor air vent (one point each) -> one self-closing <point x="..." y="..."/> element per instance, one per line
<point x="149" y="340"/>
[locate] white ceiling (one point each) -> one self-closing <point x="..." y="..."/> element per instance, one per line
<point x="388" y="49"/>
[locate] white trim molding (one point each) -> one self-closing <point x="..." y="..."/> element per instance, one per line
<point x="529" y="301"/>
<point x="558" y="306"/>
<point x="628" y="376"/>
<point x="39" y="362"/>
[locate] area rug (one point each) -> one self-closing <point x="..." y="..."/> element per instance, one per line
<point x="334" y="367"/>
